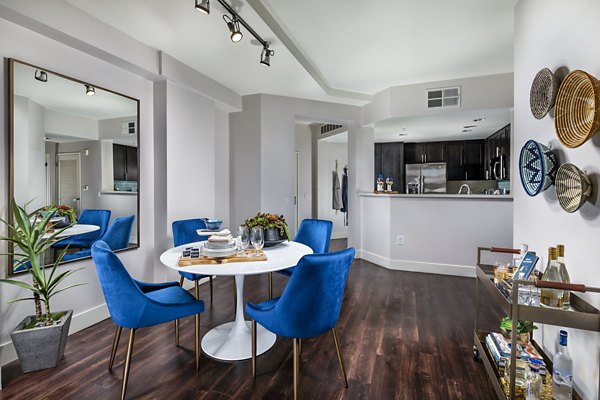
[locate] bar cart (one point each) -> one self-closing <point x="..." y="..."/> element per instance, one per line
<point x="580" y="315"/>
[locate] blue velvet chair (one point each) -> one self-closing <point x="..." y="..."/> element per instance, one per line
<point x="99" y="218"/>
<point x="184" y="232"/>
<point x="316" y="234"/>
<point x="133" y="304"/>
<point x="116" y="237"/>
<point x="309" y="306"/>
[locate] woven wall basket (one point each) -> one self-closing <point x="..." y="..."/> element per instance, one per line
<point x="543" y="93"/>
<point x="577" y="109"/>
<point x="573" y="187"/>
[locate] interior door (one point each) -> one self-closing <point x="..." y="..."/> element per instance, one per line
<point x="69" y="180"/>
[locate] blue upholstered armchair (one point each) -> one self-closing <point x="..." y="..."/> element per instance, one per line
<point x="133" y="304"/>
<point x="99" y="218"/>
<point x="309" y="306"/>
<point x="116" y="237"/>
<point x="316" y="234"/>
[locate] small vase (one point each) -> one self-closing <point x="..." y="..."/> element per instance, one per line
<point x="272" y="234"/>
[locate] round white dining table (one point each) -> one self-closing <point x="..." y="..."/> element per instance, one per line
<point x="76" y="229"/>
<point x="232" y="341"/>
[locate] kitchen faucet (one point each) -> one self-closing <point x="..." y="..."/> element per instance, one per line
<point x="461" y="188"/>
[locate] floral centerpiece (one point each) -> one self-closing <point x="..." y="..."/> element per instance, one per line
<point x="274" y="225"/>
<point x="69" y="215"/>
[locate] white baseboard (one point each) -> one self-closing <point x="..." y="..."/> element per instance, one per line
<point x="418" y="266"/>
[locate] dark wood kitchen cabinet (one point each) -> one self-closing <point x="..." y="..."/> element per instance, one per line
<point x="389" y="162"/>
<point x="465" y="160"/>
<point x="125" y="163"/>
<point x="454" y="164"/>
<point x="430" y="152"/>
<point x="496" y="145"/>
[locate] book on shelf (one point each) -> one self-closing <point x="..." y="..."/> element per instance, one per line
<point x="503" y="346"/>
<point x="499" y="360"/>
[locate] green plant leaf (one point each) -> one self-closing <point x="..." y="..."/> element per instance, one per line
<point x="18" y="283"/>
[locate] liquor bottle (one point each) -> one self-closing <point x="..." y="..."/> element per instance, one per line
<point x="562" y="374"/>
<point x="551" y="297"/>
<point x="564" y="274"/>
<point x="533" y="389"/>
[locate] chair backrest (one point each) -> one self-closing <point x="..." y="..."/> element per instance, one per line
<point x="311" y="302"/>
<point x="119" y="232"/>
<point x="315" y="233"/>
<point x="93" y="217"/>
<point x="123" y="297"/>
<point x="184" y="231"/>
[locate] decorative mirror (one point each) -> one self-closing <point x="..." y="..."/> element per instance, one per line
<point x="76" y="146"/>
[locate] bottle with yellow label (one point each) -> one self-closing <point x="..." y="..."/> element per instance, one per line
<point x="564" y="274"/>
<point x="551" y="297"/>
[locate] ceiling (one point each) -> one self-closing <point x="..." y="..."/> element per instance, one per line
<point x="354" y="46"/>
<point x="67" y="96"/>
<point x="341" y="137"/>
<point x="441" y="127"/>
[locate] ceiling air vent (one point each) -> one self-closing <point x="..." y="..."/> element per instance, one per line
<point x="329" y="127"/>
<point x="443" y="97"/>
<point x="128" y="128"/>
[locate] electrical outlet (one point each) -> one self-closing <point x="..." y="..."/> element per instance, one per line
<point x="399" y="240"/>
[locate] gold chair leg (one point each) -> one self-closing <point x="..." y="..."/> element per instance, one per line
<point x="127" y="363"/>
<point x="270" y="285"/>
<point x="177" y="332"/>
<point x="181" y="281"/>
<point x="197" y="290"/>
<point x="197" y="341"/>
<point x="296" y="369"/>
<point x="211" y="289"/>
<point x="253" y="349"/>
<point x="339" y="354"/>
<point x="114" y="347"/>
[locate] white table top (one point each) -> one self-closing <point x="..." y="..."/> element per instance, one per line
<point x="281" y="256"/>
<point x="76" y="229"/>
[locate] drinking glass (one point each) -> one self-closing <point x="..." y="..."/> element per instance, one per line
<point x="244" y="238"/>
<point x="257" y="238"/>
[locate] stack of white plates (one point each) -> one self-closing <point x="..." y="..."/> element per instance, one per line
<point x="219" y="248"/>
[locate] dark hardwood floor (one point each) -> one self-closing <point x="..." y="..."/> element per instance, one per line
<point x="404" y="335"/>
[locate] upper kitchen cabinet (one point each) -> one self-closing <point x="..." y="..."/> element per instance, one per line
<point x="125" y="163"/>
<point x="497" y="154"/>
<point x="465" y="160"/>
<point x="389" y="162"/>
<point x="416" y="153"/>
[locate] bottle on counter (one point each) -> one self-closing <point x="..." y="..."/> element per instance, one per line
<point x="562" y="374"/>
<point x="533" y="388"/>
<point x="551" y="297"/>
<point x="564" y="274"/>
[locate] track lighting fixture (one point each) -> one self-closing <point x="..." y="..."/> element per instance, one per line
<point x="203" y="6"/>
<point x="234" y="27"/>
<point x="265" y="56"/>
<point x="233" y="24"/>
<point x="90" y="90"/>
<point x="41" y="76"/>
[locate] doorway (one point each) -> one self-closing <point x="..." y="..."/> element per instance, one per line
<point x="69" y="180"/>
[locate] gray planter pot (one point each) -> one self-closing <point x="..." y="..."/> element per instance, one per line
<point x="272" y="234"/>
<point x="41" y="348"/>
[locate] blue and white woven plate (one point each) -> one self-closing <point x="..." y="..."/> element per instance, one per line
<point x="538" y="166"/>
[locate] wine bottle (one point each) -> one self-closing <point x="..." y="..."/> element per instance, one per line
<point x="562" y="373"/>
<point x="551" y="297"/>
<point x="564" y="274"/>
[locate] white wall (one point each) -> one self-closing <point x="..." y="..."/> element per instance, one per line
<point x="86" y="301"/>
<point x="70" y="125"/>
<point x="303" y="147"/>
<point x="556" y="34"/>
<point x="441" y="234"/>
<point x="328" y="153"/>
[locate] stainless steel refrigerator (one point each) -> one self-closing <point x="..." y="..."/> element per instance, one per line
<point x="426" y="178"/>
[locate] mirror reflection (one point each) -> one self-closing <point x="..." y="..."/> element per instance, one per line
<point x="75" y="146"/>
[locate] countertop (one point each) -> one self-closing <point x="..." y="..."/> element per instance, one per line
<point x="506" y="197"/>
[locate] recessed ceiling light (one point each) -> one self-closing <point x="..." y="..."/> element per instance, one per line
<point x="467" y="130"/>
<point x="469" y="126"/>
<point x="479" y="119"/>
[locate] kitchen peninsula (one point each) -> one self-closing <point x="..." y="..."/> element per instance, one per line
<point x="433" y="233"/>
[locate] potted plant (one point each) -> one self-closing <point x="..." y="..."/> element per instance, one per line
<point x="274" y="225"/>
<point x="66" y="214"/>
<point x="39" y="339"/>
<point x="524" y="330"/>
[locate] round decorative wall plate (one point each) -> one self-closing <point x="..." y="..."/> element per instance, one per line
<point x="543" y="93"/>
<point x="573" y="187"/>
<point x="537" y="165"/>
<point x="577" y="109"/>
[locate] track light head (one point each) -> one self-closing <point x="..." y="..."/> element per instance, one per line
<point x="203" y="6"/>
<point x="265" y="56"/>
<point x="90" y="90"/>
<point x="41" y="76"/>
<point x="234" y="28"/>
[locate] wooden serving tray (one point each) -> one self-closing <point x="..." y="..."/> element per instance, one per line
<point x="250" y="256"/>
